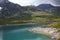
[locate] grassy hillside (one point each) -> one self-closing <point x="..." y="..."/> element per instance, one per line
<point x="35" y="17"/>
<point x="44" y="17"/>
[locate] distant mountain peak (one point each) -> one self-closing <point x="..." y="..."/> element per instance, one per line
<point x="46" y="4"/>
<point x="7" y="9"/>
<point x="45" y="7"/>
<point x="50" y="8"/>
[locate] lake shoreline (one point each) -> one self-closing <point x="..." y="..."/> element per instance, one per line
<point x="40" y="23"/>
<point x="52" y="32"/>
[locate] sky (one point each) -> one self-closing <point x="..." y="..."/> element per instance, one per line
<point x="36" y="2"/>
<point x="0" y="8"/>
<point x="56" y="2"/>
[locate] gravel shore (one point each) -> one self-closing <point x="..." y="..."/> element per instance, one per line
<point x="53" y="32"/>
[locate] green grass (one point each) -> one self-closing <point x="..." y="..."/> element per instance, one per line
<point x="47" y="17"/>
<point x="54" y="25"/>
<point x="59" y="39"/>
<point x="39" y="20"/>
<point x="2" y="22"/>
<point x="36" y="17"/>
<point x="44" y="17"/>
<point x="40" y="14"/>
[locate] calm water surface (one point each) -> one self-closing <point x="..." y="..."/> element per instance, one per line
<point x="21" y="33"/>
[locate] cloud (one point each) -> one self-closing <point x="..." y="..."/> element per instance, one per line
<point x="56" y="2"/>
<point x="23" y="2"/>
<point x="0" y="8"/>
<point x="36" y="2"/>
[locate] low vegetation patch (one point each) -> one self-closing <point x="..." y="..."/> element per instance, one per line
<point x="54" y="25"/>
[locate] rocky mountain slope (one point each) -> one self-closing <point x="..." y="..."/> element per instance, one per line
<point x="50" y="8"/>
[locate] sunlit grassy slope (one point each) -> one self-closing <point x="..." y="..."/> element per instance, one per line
<point x="36" y="17"/>
<point x="44" y="17"/>
<point x="54" y="24"/>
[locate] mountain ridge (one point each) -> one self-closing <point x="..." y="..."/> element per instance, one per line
<point x="49" y="8"/>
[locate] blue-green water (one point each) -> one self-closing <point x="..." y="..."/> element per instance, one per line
<point x="22" y="34"/>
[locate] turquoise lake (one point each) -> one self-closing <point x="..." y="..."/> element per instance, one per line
<point x="21" y="33"/>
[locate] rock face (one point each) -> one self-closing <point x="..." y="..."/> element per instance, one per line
<point x="57" y="10"/>
<point x="1" y="1"/>
<point x="11" y="10"/>
<point x="8" y="9"/>
<point x="50" y="8"/>
<point x="45" y="7"/>
<point x="15" y="11"/>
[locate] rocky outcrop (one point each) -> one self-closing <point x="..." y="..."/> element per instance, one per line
<point x="12" y="11"/>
